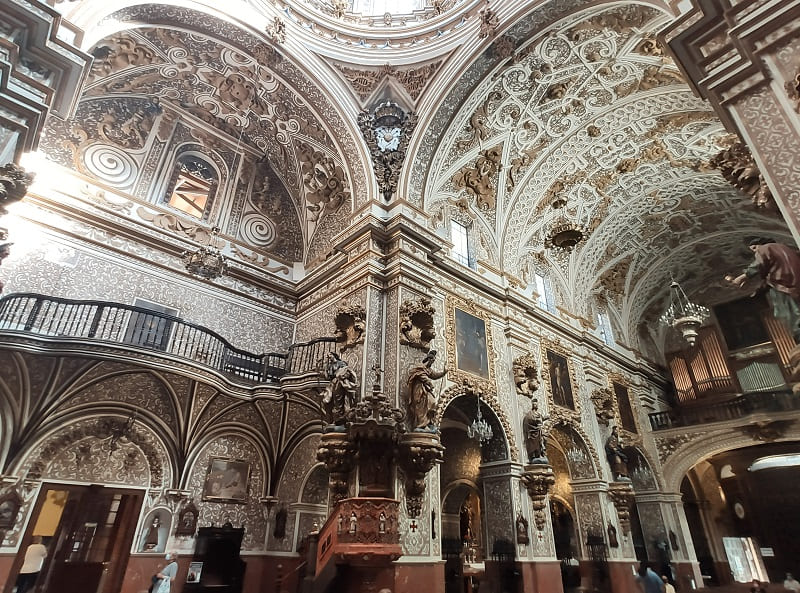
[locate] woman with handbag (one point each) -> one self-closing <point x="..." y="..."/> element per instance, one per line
<point x="167" y="574"/>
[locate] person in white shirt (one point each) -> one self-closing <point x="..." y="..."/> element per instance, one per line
<point x="34" y="559"/>
<point x="791" y="584"/>
<point x="668" y="588"/>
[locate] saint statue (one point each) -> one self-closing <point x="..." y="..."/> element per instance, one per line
<point x="616" y="456"/>
<point x="535" y="435"/>
<point x="778" y="266"/>
<point x="340" y="394"/>
<point x="420" y="401"/>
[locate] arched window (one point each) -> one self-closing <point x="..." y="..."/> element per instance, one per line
<point x="192" y="186"/>
<point x="544" y="293"/>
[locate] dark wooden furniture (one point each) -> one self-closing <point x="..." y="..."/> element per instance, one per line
<point x="218" y="549"/>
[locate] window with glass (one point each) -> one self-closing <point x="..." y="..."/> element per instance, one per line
<point x="544" y="292"/>
<point x="604" y="328"/>
<point x="459" y="235"/>
<point x="193" y="185"/>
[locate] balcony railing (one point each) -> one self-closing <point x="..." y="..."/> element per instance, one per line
<point x="137" y="327"/>
<point x="739" y="407"/>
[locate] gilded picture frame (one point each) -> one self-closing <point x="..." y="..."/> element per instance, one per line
<point x="10" y="503"/>
<point x="187" y="520"/>
<point x="227" y="480"/>
<point x="470" y="352"/>
<point x="560" y="382"/>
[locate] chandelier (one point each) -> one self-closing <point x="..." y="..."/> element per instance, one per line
<point x="206" y="261"/>
<point x="564" y="233"/>
<point x="683" y="315"/>
<point x="480" y="429"/>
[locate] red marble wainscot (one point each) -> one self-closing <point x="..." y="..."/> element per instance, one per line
<point x="416" y="577"/>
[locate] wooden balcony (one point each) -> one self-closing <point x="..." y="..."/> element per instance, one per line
<point x="738" y="407"/>
<point x="137" y="328"/>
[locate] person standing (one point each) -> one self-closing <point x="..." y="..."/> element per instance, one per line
<point x="648" y="580"/>
<point x="32" y="565"/>
<point x="791" y="584"/>
<point x="167" y="574"/>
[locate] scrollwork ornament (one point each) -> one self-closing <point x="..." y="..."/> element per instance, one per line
<point x="739" y="168"/>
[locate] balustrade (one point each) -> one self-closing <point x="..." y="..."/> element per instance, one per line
<point x="137" y="327"/>
<point x="738" y="407"/>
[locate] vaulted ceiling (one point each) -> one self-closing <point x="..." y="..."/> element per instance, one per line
<point x="520" y="105"/>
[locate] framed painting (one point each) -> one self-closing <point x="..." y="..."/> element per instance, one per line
<point x="626" y="416"/>
<point x="226" y="480"/>
<point x="472" y="354"/>
<point x="558" y="370"/>
<point x="187" y="520"/>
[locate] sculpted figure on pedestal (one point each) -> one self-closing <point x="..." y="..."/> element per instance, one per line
<point x="340" y="394"/>
<point x="420" y="400"/>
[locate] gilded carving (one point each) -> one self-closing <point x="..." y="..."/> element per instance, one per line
<point x="277" y="30"/>
<point x="14" y="183"/>
<point x="526" y="374"/>
<point x="669" y="445"/>
<point x="350" y="323"/>
<point x="766" y="431"/>
<point x="739" y="168"/>
<point x="413" y="80"/>
<point x="387" y="131"/>
<point x="489" y="22"/>
<point x="604" y="408"/>
<point x="420" y="398"/>
<point x="477" y="179"/>
<point x="324" y="182"/>
<point x="538" y="481"/>
<point x="417" y="323"/>
<point x="621" y="494"/>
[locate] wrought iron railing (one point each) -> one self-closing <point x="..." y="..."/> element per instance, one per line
<point x="137" y="327"/>
<point x="738" y="407"/>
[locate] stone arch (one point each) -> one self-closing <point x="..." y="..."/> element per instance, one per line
<point x="682" y="452"/>
<point x="491" y="402"/>
<point x="640" y="469"/>
<point x="570" y="436"/>
<point x="314" y="489"/>
<point x="88" y="450"/>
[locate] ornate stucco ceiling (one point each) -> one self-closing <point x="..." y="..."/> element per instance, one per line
<point x="537" y="102"/>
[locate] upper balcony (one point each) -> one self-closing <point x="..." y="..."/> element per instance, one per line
<point x="742" y="406"/>
<point x="137" y="328"/>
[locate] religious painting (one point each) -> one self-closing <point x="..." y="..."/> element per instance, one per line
<point x="560" y="382"/>
<point x="626" y="417"/>
<point x="471" y="350"/>
<point x="195" y="570"/>
<point x="226" y="481"/>
<point x="187" y="520"/>
<point x="9" y="509"/>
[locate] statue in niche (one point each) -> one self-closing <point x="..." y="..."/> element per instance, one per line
<point x="522" y="530"/>
<point x="617" y="458"/>
<point x="350" y="325"/>
<point x="465" y="522"/>
<point x="526" y="377"/>
<point x="535" y="435"/>
<point x="613" y="542"/>
<point x="416" y="323"/>
<point x="420" y="400"/>
<point x="340" y="393"/>
<point x="280" y="524"/>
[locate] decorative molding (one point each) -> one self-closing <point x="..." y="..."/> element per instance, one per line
<point x="417" y="328"/>
<point x="350" y="324"/>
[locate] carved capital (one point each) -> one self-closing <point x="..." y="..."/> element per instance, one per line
<point x="338" y="455"/>
<point x="538" y="480"/>
<point x="621" y="494"/>
<point x="419" y="452"/>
